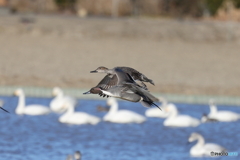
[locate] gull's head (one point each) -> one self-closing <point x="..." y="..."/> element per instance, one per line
<point x="18" y="92"/>
<point x="100" y="70"/>
<point x="193" y="137"/>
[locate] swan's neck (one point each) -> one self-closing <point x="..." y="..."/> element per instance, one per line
<point x="114" y="108"/>
<point x="200" y="142"/>
<point x="60" y="95"/>
<point x="70" y="110"/>
<point x="67" y="114"/>
<point x="21" y="101"/>
<point x="164" y="102"/>
<point x="213" y="109"/>
<point x="173" y="113"/>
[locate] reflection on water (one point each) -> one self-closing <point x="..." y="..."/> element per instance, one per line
<point x="44" y="138"/>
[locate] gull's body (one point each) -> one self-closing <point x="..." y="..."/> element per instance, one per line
<point x="224" y="116"/>
<point x="60" y="99"/>
<point x="33" y="109"/>
<point x="121" y="116"/>
<point x="176" y="120"/>
<point x="77" y="118"/>
<point x="201" y="148"/>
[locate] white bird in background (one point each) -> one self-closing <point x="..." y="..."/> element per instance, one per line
<point x="155" y="112"/>
<point x="59" y="100"/>
<point x="77" y="156"/>
<point x="201" y="148"/>
<point x="33" y="109"/>
<point x="224" y="116"/>
<point x="121" y="116"/>
<point x="206" y="119"/>
<point x="175" y="120"/>
<point x="77" y="118"/>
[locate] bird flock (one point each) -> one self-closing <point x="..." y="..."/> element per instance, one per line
<point x="127" y="84"/>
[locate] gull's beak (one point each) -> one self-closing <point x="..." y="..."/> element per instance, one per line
<point x="88" y="92"/>
<point x="4" y="109"/>
<point x="95" y="71"/>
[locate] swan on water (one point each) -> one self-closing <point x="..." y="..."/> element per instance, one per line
<point x="77" y="118"/>
<point x="33" y="109"/>
<point x="176" y="120"/>
<point x="224" y="116"/>
<point x="201" y="148"/>
<point x="57" y="102"/>
<point x="121" y="116"/>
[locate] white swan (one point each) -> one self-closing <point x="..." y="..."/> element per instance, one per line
<point x="57" y="103"/>
<point x="202" y="148"/>
<point x="33" y="109"/>
<point x="71" y="117"/>
<point x="224" y="116"/>
<point x="77" y="156"/>
<point x="121" y="116"/>
<point x="155" y="112"/>
<point x="175" y="120"/>
<point x="206" y="119"/>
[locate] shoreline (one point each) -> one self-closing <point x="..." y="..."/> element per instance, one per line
<point x="77" y="92"/>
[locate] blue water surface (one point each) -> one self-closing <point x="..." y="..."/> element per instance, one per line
<point x="44" y="138"/>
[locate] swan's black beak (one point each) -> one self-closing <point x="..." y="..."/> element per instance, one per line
<point x="93" y="71"/>
<point x="88" y="92"/>
<point x="4" y="109"/>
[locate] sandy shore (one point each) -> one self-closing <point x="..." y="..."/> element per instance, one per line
<point x="181" y="57"/>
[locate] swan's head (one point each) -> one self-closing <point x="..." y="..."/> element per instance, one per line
<point x="111" y="101"/>
<point x="193" y="137"/>
<point x="100" y="70"/>
<point x="162" y="99"/>
<point x="77" y="155"/>
<point x="66" y="105"/>
<point x="18" y="92"/>
<point x="94" y="90"/>
<point x="211" y="102"/>
<point x="56" y="91"/>
<point x="170" y="108"/>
